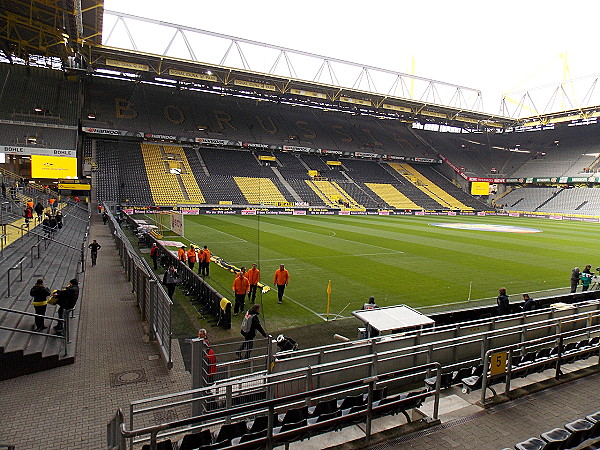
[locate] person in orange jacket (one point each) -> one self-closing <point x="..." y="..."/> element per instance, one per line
<point x="240" y="287"/>
<point x="181" y="255"/>
<point x="205" y="261"/>
<point x="281" y="279"/>
<point x="253" y="276"/>
<point x="191" y="257"/>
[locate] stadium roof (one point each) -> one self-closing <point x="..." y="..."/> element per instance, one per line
<point x="66" y="28"/>
<point x="54" y="28"/>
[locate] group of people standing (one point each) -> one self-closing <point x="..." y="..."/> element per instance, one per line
<point x="193" y="255"/>
<point x="51" y="218"/>
<point x="584" y="277"/>
<point x="65" y="299"/>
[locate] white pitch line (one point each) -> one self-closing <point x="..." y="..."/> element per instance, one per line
<point x="320" y="257"/>
<point x="222" y="232"/>
<point x="300" y="304"/>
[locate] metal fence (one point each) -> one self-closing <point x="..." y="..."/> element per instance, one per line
<point x="230" y="402"/>
<point x="154" y="303"/>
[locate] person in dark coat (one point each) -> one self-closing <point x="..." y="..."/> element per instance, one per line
<point x="503" y="303"/>
<point x="529" y="304"/>
<point x="104" y="218"/>
<point x="67" y="298"/>
<point x="575" y="279"/>
<point x="94" y="247"/>
<point x="170" y="280"/>
<point x="59" y="219"/>
<point x="250" y="325"/>
<point x="53" y="224"/>
<point x="39" y="210"/>
<point x="40" y="294"/>
<point x="46" y="226"/>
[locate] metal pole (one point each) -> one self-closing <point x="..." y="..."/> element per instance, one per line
<point x="486" y="364"/>
<point x="197" y="378"/>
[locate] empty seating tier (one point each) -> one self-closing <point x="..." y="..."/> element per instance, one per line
<point x="259" y="190"/>
<point x="171" y="179"/>
<point x="425" y="185"/>
<point x="392" y="196"/>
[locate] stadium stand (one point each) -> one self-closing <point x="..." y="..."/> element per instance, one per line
<point x="429" y="188"/>
<point x="170" y="176"/>
<point x="259" y="190"/>
<point x="392" y="196"/>
<point x="527" y="198"/>
<point x="38" y="95"/>
<point x="121" y="174"/>
<point x="45" y="136"/>
<point x="580" y="200"/>
<point x="56" y="259"/>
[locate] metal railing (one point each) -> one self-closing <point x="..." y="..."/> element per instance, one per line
<point x="227" y="402"/>
<point x="64" y="321"/>
<point x="19" y="266"/>
<point x="556" y="341"/>
<point x="154" y="303"/>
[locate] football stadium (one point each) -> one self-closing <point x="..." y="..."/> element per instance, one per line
<point x="197" y="253"/>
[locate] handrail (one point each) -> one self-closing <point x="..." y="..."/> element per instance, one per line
<point x="19" y="266"/>
<point x="31" y="252"/>
<point x="25" y="313"/>
<point x="557" y="338"/>
<point x="270" y="405"/>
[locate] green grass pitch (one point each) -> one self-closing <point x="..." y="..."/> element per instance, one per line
<point x="397" y="259"/>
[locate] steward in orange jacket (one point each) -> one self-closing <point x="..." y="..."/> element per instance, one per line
<point x="191" y="257"/>
<point x="205" y="262"/>
<point x="240" y="288"/>
<point x="181" y="254"/>
<point x="281" y="279"/>
<point x="253" y="276"/>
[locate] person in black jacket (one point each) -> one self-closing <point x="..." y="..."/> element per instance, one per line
<point x="529" y="304"/>
<point x="39" y="210"/>
<point x="40" y="294"/>
<point x="94" y="247"/>
<point x="67" y="298"/>
<point x="59" y="219"/>
<point x="250" y="325"/>
<point x="170" y="280"/>
<point x="503" y="303"/>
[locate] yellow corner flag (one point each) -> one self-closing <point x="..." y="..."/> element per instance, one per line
<point x="328" y="298"/>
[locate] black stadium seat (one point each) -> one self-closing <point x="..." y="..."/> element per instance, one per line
<point x="162" y="445"/>
<point x="594" y="432"/>
<point x="351" y="401"/>
<point x="195" y="440"/>
<point x="324" y="407"/>
<point x="230" y="431"/>
<point x="556" y="438"/>
<point x="579" y="430"/>
<point x="531" y="444"/>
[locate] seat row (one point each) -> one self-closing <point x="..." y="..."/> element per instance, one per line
<point x="322" y="417"/>
<point x="573" y="434"/>
<point x="539" y="361"/>
<point x="471" y="377"/>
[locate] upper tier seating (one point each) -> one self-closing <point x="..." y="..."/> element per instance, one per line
<point x="38" y="136"/>
<point x="49" y="91"/>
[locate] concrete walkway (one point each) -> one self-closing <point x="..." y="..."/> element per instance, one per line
<point x="69" y="407"/>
